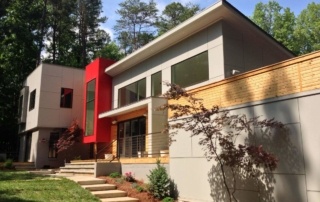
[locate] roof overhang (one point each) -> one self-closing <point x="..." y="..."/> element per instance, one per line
<point x="218" y="11"/>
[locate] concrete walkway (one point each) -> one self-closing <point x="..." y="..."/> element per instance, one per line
<point x="99" y="188"/>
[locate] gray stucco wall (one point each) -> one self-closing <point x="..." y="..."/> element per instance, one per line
<point x="297" y="177"/>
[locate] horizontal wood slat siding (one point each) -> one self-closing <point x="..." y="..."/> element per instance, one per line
<point x="296" y="75"/>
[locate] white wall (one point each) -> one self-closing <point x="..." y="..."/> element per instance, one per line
<point x="297" y="176"/>
<point x="48" y="80"/>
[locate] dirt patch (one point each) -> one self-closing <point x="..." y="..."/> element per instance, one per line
<point x="131" y="188"/>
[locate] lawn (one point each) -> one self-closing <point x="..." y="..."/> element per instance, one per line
<point x="26" y="187"/>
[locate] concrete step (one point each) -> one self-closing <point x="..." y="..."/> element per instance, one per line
<point x="119" y="199"/>
<point x="86" y="180"/>
<point x="63" y="170"/>
<point x="24" y="165"/>
<point x="99" y="187"/>
<point x="109" y="193"/>
<point x="79" y="165"/>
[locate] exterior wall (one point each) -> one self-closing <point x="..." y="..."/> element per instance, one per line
<point x="209" y="39"/>
<point x="245" y="50"/>
<point x="103" y="92"/>
<point x="289" y="92"/>
<point x="40" y="150"/>
<point x="48" y="80"/>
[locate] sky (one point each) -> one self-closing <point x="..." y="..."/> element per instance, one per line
<point x="244" y="6"/>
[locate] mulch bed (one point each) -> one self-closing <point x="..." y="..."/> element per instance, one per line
<point x="129" y="188"/>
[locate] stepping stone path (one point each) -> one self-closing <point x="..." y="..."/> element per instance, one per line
<point x="99" y="188"/>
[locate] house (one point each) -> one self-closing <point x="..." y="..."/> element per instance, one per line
<point x="212" y="46"/>
<point x="51" y="97"/>
<point x="222" y="57"/>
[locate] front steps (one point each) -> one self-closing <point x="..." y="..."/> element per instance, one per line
<point x="79" y="168"/>
<point x="106" y="192"/>
<point x="22" y="166"/>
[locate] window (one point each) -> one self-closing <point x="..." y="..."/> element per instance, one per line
<point x="54" y="137"/>
<point x="156" y="84"/>
<point x="91" y="85"/>
<point x="66" y="98"/>
<point x="132" y="93"/>
<point x="191" y="71"/>
<point x="32" y="100"/>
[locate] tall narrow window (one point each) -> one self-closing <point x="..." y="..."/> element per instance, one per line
<point x="20" y="106"/>
<point x="191" y="71"/>
<point x="156" y="84"/>
<point x="66" y="98"/>
<point x="32" y="100"/>
<point x="132" y="93"/>
<point x="54" y="137"/>
<point x="90" y="107"/>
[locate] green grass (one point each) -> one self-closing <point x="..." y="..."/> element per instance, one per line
<point x="26" y="187"/>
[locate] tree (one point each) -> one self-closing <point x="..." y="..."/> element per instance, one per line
<point x="218" y="131"/>
<point x="110" y="51"/>
<point x="134" y="28"/>
<point x="19" y="25"/>
<point x="69" y="137"/>
<point x="277" y="21"/>
<point x="174" y="14"/>
<point x="307" y="29"/>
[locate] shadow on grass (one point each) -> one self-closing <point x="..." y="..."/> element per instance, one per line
<point x="9" y="196"/>
<point x="16" y="175"/>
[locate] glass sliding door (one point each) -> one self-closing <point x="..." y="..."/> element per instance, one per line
<point x="131" y="137"/>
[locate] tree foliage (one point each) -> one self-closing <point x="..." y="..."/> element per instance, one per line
<point x="218" y="131"/>
<point x="69" y="137"/>
<point x="174" y="14"/>
<point x="277" y="21"/>
<point x="307" y="29"/>
<point x="134" y="28"/>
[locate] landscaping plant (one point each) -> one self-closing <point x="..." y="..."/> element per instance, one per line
<point x="159" y="182"/>
<point x="115" y="175"/>
<point x="218" y="131"/>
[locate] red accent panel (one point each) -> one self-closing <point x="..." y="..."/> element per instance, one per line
<point x="103" y="99"/>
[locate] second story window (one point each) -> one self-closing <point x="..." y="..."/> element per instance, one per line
<point x="156" y="84"/>
<point x="132" y="93"/>
<point x="32" y="100"/>
<point x="191" y="71"/>
<point x="66" y="98"/>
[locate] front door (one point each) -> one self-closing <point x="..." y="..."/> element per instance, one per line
<point x="131" y="137"/>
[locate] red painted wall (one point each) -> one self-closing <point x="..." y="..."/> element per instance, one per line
<point x="103" y="99"/>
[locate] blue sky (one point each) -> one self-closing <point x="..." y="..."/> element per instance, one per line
<point x="245" y="6"/>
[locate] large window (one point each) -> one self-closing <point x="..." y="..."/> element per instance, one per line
<point x="32" y="100"/>
<point x="156" y="84"/>
<point x="132" y="93"/>
<point x="66" y="98"/>
<point x="191" y="71"/>
<point x="91" y="85"/>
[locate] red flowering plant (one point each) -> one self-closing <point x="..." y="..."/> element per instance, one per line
<point x="128" y="177"/>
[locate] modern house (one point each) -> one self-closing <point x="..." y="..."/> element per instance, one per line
<point x="51" y="98"/>
<point x="219" y="55"/>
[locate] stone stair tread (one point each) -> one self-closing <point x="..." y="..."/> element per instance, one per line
<point x="119" y="199"/>
<point x="99" y="187"/>
<point x="109" y="193"/>
<point x="86" y="180"/>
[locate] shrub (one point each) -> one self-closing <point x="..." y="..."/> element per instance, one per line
<point x="128" y="177"/>
<point x="159" y="185"/>
<point x="168" y="199"/>
<point x="115" y="175"/>
<point x="139" y="189"/>
<point x="8" y="164"/>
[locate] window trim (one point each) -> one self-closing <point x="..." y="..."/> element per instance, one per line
<point x="62" y="99"/>
<point x="86" y="132"/>
<point x="137" y="97"/>
<point x="152" y="84"/>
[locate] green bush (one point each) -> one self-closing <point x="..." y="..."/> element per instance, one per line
<point x="115" y="175"/>
<point x="159" y="182"/>
<point x="8" y="164"/>
<point x="168" y="199"/>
